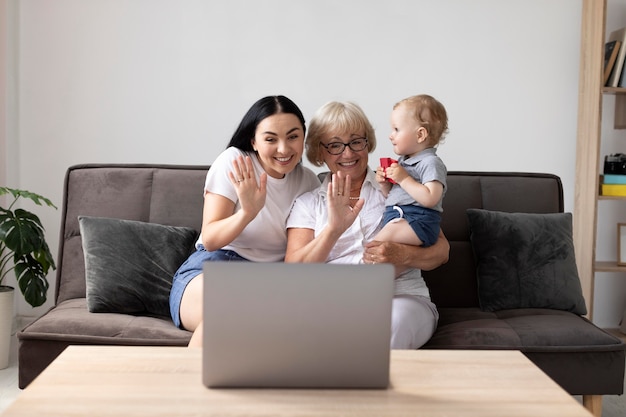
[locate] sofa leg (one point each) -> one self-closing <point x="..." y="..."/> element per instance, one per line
<point x="593" y="403"/>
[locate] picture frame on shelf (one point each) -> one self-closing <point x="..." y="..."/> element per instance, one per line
<point x="621" y="244"/>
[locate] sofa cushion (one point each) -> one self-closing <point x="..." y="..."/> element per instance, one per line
<point x="525" y="260"/>
<point x="568" y="348"/>
<point x="70" y="322"/>
<point x="529" y="330"/>
<point x="129" y="264"/>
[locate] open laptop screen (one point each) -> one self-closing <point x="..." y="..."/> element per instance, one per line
<point x="296" y="325"/>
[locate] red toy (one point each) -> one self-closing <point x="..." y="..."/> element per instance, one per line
<point x="386" y="163"/>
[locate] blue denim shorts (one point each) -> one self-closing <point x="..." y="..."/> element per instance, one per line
<point x="190" y="269"/>
<point x="425" y="222"/>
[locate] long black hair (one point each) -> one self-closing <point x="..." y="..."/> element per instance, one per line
<point x="263" y="108"/>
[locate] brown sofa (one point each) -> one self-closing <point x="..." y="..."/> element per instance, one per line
<point x="579" y="356"/>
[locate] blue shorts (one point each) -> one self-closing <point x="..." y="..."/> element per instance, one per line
<point x="425" y="222"/>
<point x="190" y="269"/>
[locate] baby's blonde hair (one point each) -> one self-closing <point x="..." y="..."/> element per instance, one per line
<point x="429" y="113"/>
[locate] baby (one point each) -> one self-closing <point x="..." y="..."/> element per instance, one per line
<point x="416" y="184"/>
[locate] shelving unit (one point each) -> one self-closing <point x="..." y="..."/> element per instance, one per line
<point x="588" y="141"/>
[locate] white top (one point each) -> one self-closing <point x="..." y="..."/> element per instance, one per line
<point x="310" y="212"/>
<point x="265" y="238"/>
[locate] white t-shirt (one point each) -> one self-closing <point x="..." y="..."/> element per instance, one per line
<point x="310" y="211"/>
<point x="265" y="238"/>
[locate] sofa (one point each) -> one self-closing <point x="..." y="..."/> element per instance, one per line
<point x="548" y="326"/>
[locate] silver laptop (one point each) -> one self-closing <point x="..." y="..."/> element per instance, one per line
<point x="280" y="325"/>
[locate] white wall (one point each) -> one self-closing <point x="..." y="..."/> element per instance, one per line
<point x="3" y="99"/>
<point x="3" y="90"/>
<point x="8" y="105"/>
<point x="164" y="81"/>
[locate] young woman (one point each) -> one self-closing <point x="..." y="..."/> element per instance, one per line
<point x="248" y="193"/>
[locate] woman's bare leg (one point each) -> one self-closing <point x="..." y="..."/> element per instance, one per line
<point x="191" y="310"/>
<point x="196" y="337"/>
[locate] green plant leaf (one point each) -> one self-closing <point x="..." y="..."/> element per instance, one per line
<point x="36" y="198"/>
<point x="31" y="279"/>
<point x="22" y="233"/>
<point x="5" y="226"/>
<point x="45" y="258"/>
<point x="22" y="240"/>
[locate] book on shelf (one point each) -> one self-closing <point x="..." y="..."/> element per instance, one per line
<point x="617" y="35"/>
<point x="614" y="179"/>
<point x="618" y="190"/>
<point x="622" y="78"/>
<point x="611" y="49"/>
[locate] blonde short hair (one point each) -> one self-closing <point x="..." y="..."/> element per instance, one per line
<point x="337" y="118"/>
<point x="430" y="114"/>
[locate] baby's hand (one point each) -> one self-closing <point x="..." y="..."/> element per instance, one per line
<point x="386" y="163"/>
<point x="380" y="175"/>
<point x="395" y="173"/>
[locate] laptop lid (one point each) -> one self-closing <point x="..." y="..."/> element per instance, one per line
<point x="282" y="325"/>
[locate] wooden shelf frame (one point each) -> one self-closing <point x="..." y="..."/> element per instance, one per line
<point x="590" y="91"/>
<point x="614" y="90"/>
<point x="609" y="266"/>
<point x="589" y="137"/>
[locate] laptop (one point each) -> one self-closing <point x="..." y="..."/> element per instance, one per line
<point x="282" y="325"/>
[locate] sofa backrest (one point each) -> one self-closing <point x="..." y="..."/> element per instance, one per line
<point x="454" y="284"/>
<point x="172" y="195"/>
<point x="164" y="194"/>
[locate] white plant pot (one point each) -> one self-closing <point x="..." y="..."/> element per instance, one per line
<point x="6" y="324"/>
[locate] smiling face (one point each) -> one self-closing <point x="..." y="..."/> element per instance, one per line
<point x="350" y="162"/>
<point x="279" y="143"/>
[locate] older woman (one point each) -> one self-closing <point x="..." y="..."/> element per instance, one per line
<point x="337" y="222"/>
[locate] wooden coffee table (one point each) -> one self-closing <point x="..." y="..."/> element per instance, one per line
<point x="165" y="381"/>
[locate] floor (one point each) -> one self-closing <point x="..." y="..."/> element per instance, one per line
<point x="612" y="405"/>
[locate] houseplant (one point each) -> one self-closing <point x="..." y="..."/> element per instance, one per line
<point x="23" y="249"/>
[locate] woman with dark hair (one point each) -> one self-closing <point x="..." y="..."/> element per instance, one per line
<point x="248" y="193"/>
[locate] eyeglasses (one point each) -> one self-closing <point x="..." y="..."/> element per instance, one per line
<point x="337" y="148"/>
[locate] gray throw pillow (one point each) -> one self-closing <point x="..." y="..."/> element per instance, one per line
<point x="129" y="264"/>
<point x="525" y="261"/>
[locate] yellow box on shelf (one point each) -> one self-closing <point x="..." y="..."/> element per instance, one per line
<point x="614" y="190"/>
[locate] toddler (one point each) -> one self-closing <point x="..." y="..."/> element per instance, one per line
<point x="414" y="201"/>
